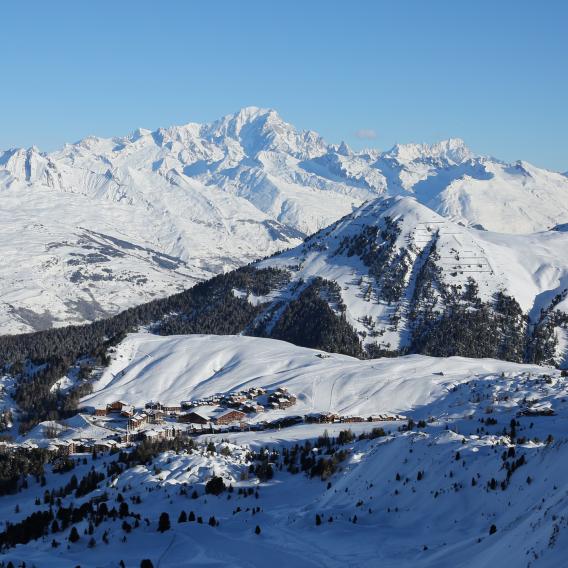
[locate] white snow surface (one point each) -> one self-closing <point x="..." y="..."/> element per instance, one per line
<point x="81" y="227"/>
<point x="174" y="368"/>
<point x="411" y="491"/>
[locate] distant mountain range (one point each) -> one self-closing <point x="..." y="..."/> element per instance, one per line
<point x="106" y="224"/>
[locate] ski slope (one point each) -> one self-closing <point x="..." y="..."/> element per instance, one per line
<point x="171" y="369"/>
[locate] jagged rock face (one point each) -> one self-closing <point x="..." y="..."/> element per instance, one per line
<point x="180" y="204"/>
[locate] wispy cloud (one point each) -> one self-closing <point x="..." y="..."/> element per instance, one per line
<point x="366" y="134"/>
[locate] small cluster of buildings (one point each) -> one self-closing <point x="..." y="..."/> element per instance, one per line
<point x="68" y="447"/>
<point x="219" y="410"/>
<point x="231" y="410"/>
<point x="331" y="417"/>
<point x="234" y="407"/>
<point x="249" y="401"/>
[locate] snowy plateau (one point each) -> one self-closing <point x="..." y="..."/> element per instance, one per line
<point x="105" y="224"/>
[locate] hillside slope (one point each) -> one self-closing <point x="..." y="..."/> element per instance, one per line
<point x="400" y="273"/>
<point x="175" y="368"/>
<point x="471" y="478"/>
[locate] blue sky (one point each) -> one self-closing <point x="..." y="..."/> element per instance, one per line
<point x="494" y="73"/>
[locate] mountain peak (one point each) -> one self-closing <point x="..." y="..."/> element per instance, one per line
<point x="452" y="150"/>
<point x="259" y="129"/>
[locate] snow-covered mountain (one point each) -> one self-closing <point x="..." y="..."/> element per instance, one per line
<point x="104" y="224"/>
<point x="406" y="278"/>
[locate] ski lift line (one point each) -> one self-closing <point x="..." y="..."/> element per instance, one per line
<point x="474" y="271"/>
<point x="466" y="256"/>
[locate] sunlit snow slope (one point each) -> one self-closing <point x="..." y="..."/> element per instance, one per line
<point x="175" y="368"/>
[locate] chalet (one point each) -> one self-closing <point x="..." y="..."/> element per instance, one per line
<point x="193" y="418"/>
<point x="321" y="417"/>
<point x="127" y="410"/>
<point x="116" y="406"/>
<point x="102" y="447"/>
<point x="153" y="405"/>
<point x="137" y="420"/>
<point x="82" y="446"/>
<point x="251" y="407"/>
<point x="171" y="409"/>
<point x="101" y="411"/>
<point x="286" y="422"/>
<point x="233" y="400"/>
<point x="256" y="391"/>
<point x="155" y="416"/>
<point x="160" y="434"/>
<point x="385" y="418"/>
<point x="65" y="447"/>
<point x="352" y="419"/>
<point x="229" y="417"/>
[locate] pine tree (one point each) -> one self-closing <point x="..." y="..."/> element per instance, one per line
<point x="215" y="486"/>
<point x="123" y="509"/>
<point x="74" y="535"/>
<point x="191" y="517"/>
<point x="492" y="529"/>
<point x="182" y="517"/>
<point x="318" y="520"/>
<point x="257" y="530"/>
<point x="164" y="522"/>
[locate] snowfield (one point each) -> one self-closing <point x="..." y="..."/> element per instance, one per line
<point x="475" y="479"/>
<point x="170" y="369"/>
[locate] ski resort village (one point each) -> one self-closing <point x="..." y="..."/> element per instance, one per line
<point x="121" y="424"/>
<point x="218" y="445"/>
